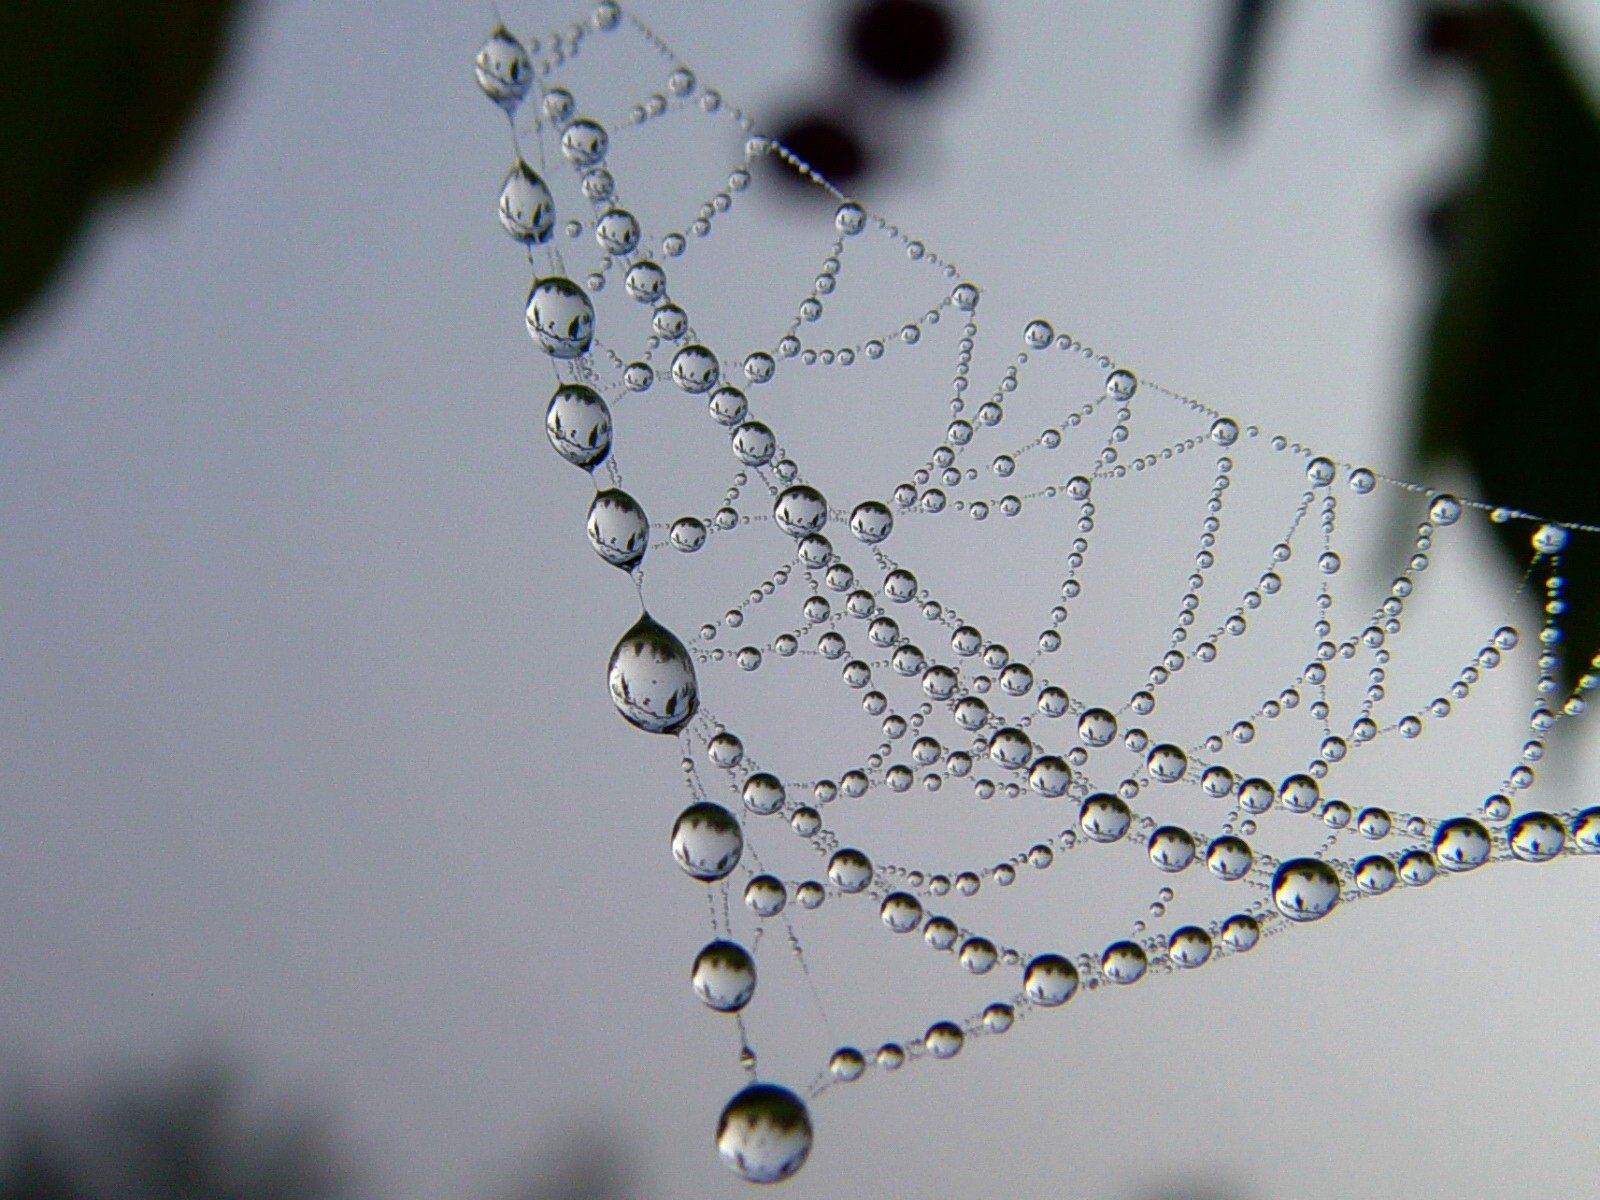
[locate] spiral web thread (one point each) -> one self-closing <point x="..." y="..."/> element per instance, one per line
<point x="953" y="705"/>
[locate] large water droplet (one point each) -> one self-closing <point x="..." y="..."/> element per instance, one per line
<point x="764" y="1134"/>
<point x="578" y="424"/>
<point x="1050" y="980"/>
<point x="706" y="841"/>
<point x="652" y="679"/>
<point x="1189" y="947"/>
<point x="560" y="318"/>
<point x="800" y="510"/>
<point x="618" y="529"/>
<point x="1305" y="889"/>
<point x="584" y="142"/>
<point x="526" y="208"/>
<point x="1229" y="857"/>
<point x="1461" y="844"/>
<point x="503" y="69"/>
<point x="1536" y="837"/>
<point x="1104" y="817"/>
<point x="724" y="976"/>
<point x="1124" y="962"/>
<point x="871" y="521"/>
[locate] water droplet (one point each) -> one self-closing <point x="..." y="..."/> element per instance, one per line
<point x="1320" y="471"/>
<point x="560" y="318"/>
<point x="584" y="142"/>
<point x="901" y="912"/>
<point x="1124" y="963"/>
<point x="846" y="1065"/>
<point x="1104" y="817"/>
<point x="1362" y="481"/>
<point x="1049" y="775"/>
<point x="724" y="976"/>
<point x="1038" y="334"/>
<point x="1189" y="947"/>
<point x="1299" y="793"/>
<point x="764" y="794"/>
<point x="652" y="679"/>
<point x="871" y="522"/>
<point x="1121" y="385"/>
<point x="526" y="208"/>
<point x="618" y="529"/>
<point x="1536" y="837"/>
<point x="978" y="955"/>
<point x="1050" y="980"/>
<point x="944" y="1039"/>
<point x="1305" y="889"/>
<point x="850" y="870"/>
<point x="503" y="70"/>
<point x="1417" y="868"/>
<point x="1240" y="932"/>
<point x="800" y="510"/>
<point x="1097" y="727"/>
<point x="1549" y="539"/>
<point x="1374" y="823"/>
<point x="765" y="895"/>
<point x="764" y="1134"/>
<point x="849" y="218"/>
<point x="1461" y="844"/>
<point x="1171" y="848"/>
<point x="1586" y="830"/>
<point x="695" y="370"/>
<point x="1229" y="857"/>
<point x="578" y="424"/>
<point x="1167" y="763"/>
<point x="706" y="841"/>
<point x="687" y="534"/>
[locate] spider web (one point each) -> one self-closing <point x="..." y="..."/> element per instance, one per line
<point x="1148" y="670"/>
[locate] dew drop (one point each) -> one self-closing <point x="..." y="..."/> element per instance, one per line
<point x="1305" y="889"/>
<point x="618" y="529"/>
<point x="706" y="841"/>
<point x="1050" y="980"/>
<point x="560" y="317"/>
<point x="526" y="208"/>
<point x="764" y="1133"/>
<point x="724" y="976"/>
<point x="578" y="424"/>
<point x="651" y="678"/>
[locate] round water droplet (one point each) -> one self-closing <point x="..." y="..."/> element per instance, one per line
<point x="1586" y="830"/>
<point x="646" y="282"/>
<point x="901" y="912"/>
<point x="503" y="70"/>
<point x="1010" y="747"/>
<point x="978" y="955"/>
<point x="526" y="208"/>
<point x="1189" y="947"/>
<point x="1167" y="763"/>
<point x="1320" y="471"/>
<point x="1362" y="481"/>
<point x="764" y="794"/>
<point x="765" y="895"/>
<point x="1299" y="793"/>
<point x="1224" y="431"/>
<point x="800" y="510"/>
<point x="1104" y="817"/>
<point x="1240" y="932"/>
<point x="618" y="529"/>
<point x="1050" y="980"/>
<point x="578" y="424"/>
<point x="1124" y="962"/>
<point x="1417" y="868"/>
<point x="687" y="534"/>
<point x="850" y="870"/>
<point x="1445" y="510"/>
<point x="706" y="841"/>
<point x="560" y="318"/>
<point x="871" y="522"/>
<point x="764" y="1134"/>
<point x="1374" y="823"/>
<point x="944" y="1039"/>
<point x="1305" y="889"/>
<point x="849" y="218"/>
<point x="1171" y="848"/>
<point x="1049" y="775"/>
<point x="728" y="406"/>
<point x="1461" y="844"/>
<point x="584" y="142"/>
<point x="1375" y="875"/>
<point x="846" y="1065"/>
<point x="1097" y="727"/>
<point x="651" y="678"/>
<point x="753" y="444"/>
<point x="1549" y="539"/>
<point x="1038" y="334"/>
<point x="724" y="976"/>
<point x="1121" y="385"/>
<point x="1229" y="858"/>
<point x="695" y="369"/>
<point x="1536" y="837"/>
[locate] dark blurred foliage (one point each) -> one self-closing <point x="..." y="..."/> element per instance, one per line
<point x="198" y="1131"/>
<point x="904" y="43"/>
<point x="1237" y="64"/>
<point x="890" y="53"/>
<point x="96" y="95"/>
<point x="188" y="1133"/>
<point x="1510" y="379"/>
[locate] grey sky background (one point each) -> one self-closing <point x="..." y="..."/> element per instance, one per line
<point x="305" y="745"/>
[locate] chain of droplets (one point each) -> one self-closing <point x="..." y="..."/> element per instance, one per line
<point x="561" y="318"/>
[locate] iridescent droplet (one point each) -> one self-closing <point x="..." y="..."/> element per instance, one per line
<point x="1536" y="837"/>
<point x="1050" y="980"/>
<point x="1460" y="844"/>
<point x="1305" y="889"/>
<point x="1189" y="947"/>
<point x="1124" y="962"/>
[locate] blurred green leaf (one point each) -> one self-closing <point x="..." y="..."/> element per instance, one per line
<point x="1511" y="384"/>
<point x="96" y="95"/>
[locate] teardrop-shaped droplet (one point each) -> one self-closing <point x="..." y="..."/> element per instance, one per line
<point x="1305" y="889"/>
<point x="724" y="976"/>
<point x="578" y="424"/>
<point x="764" y="1133"/>
<point x="526" y="208"/>
<point x="652" y="679"/>
<point x="618" y="528"/>
<point x="706" y="841"/>
<point x="560" y="318"/>
<point x="503" y="70"/>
